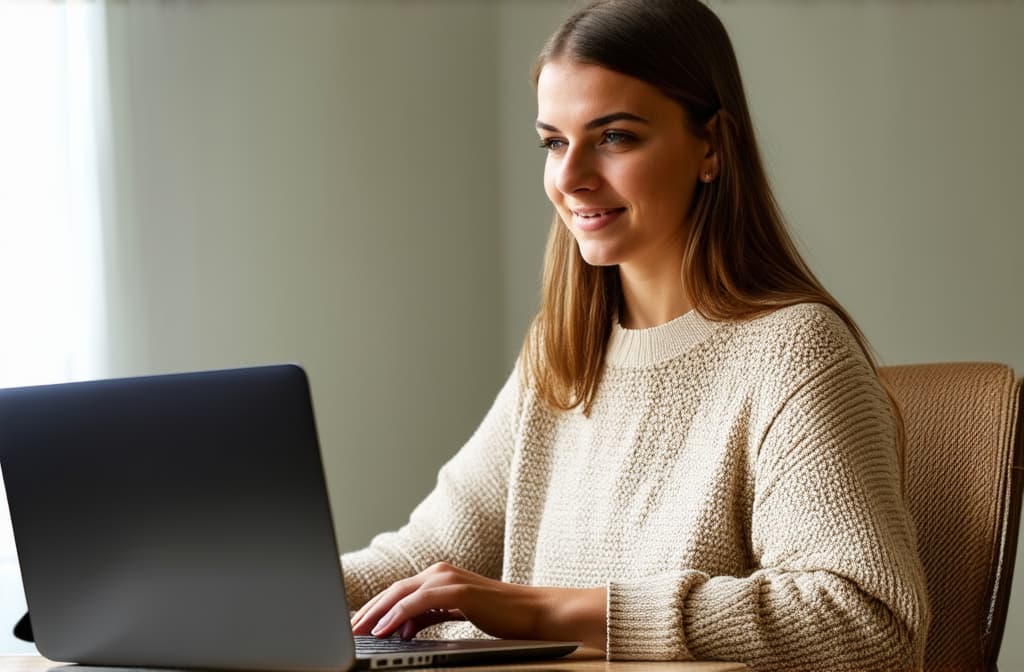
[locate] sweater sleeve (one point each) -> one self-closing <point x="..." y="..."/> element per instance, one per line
<point x="461" y="521"/>
<point x="837" y="583"/>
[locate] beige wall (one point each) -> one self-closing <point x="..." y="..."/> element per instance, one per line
<point x="892" y="131"/>
<point x="315" y="182"/>
<point x="356" y="186"/>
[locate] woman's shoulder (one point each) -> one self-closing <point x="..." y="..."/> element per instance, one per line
<point x="795" y="341"/>
<point x="800" y="327"/>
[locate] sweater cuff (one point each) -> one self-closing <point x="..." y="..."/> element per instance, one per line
<point x="645" y="617"/>
<point x="719" y="614"/>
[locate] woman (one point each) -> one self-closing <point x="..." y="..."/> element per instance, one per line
<point x="695" y="458"/>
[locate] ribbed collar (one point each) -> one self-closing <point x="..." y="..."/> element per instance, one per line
<point x="644" y="347"/>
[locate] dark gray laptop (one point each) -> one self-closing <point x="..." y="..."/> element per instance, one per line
<point x="182" y="521"/>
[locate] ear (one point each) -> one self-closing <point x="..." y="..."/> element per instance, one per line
<point x="709" y="165"/>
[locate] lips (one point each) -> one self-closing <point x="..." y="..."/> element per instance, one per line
<point x="593" y="212"/>
<point x="595" y="219"/>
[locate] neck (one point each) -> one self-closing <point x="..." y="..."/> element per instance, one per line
<point x="651" y="297"/>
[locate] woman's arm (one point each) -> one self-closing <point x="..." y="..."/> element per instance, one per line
<point x="838" y="583"/>
<point x="444" y="592"/>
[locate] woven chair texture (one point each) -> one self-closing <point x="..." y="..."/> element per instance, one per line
<point x="963" y="483"/>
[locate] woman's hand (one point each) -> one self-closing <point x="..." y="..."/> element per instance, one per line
<point x="443" y="592"/>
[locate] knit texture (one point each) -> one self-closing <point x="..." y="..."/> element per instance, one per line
<point x="736" y="488"/>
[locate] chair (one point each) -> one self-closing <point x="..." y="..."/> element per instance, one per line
<point x="964" y="469"/>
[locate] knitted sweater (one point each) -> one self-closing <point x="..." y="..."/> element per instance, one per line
<point x="736" y="488"/>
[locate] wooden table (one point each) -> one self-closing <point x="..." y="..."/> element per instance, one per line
<point x="582" y="660"/>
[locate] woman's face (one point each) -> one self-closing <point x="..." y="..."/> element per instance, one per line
<point x="621" y="167"/>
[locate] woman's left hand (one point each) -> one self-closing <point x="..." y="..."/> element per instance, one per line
<point x="443" y="592"/>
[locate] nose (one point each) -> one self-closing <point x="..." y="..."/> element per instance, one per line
<point x="577" y="171"/>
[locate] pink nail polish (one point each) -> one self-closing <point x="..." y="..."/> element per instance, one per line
<point x="382" y="625"/>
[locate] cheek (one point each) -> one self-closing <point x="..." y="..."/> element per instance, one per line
<point x="671" y="186"/>
<point x="549" y="183"/>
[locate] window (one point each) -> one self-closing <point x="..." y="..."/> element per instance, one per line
<point x="51" y="284"/>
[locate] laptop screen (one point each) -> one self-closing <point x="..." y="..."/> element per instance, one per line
<point x="176" y="520"/>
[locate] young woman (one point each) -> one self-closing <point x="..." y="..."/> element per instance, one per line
<point x="695" y="457"/>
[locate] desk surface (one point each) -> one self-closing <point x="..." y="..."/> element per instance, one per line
<point x="583" y="660"/>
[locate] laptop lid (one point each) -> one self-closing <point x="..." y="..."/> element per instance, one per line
<point x="183" y="521"/>
<point x="176" y="521"/>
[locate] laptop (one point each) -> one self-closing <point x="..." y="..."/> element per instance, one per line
<point x="182" y="521"/>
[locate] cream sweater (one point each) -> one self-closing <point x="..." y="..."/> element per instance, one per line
<point x="736" y="488"/>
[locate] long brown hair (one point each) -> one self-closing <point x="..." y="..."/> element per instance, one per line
<point x="739" y="261"/>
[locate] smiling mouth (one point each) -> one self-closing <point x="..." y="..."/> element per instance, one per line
<point x="594" y="214"/>
<point x="592" y="220"/>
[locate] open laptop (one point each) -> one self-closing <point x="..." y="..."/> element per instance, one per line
<point x="183" y="521"/>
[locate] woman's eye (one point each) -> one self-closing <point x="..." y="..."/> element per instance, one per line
<point x="552" y="144"/>
<point x="616" y="138"/>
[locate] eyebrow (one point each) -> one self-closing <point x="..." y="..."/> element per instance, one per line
<point x="600" y="121"/>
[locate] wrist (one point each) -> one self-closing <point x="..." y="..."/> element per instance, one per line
<point x="574" y="614"/>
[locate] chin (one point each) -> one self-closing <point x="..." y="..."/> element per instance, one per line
<point x="598" y="255"/>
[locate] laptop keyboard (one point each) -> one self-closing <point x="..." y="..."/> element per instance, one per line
<point x="371" y="644"/>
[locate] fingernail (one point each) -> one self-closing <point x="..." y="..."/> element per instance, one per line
<point x="382" y="624"/>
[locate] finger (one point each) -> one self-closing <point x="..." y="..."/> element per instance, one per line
<point x="410" y="628"/>
<point x="372" y="611"/>
<point x="356" y="617"/>
<point x="414" y="626"/>
<point x="416" y="605"/>
<point x="382" y="603"/>
<point x="372" y="603"/>
<point x="373" y="615"/>
<point x="360" y="616"/>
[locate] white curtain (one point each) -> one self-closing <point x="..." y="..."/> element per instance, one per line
<point x="53" y="126"/>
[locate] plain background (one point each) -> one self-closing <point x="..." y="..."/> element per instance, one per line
<point x="356" y="186"/>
